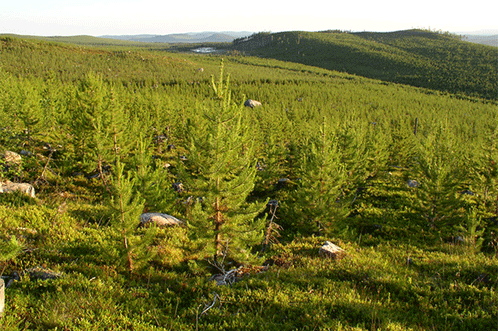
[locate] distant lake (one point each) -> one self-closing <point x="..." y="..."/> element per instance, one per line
<point x="204" y="50"/>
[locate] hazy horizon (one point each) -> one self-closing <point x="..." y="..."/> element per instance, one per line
<point x="133" y="17"/>
<point x="485" y="32"/>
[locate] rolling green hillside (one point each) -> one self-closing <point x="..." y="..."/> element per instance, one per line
<point x="403" y="178"/>
<point x="415" y="57"/>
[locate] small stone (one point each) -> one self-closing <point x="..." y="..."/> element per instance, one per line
<point x="412" y="183"/>
<point x="178" y="187"/>
<point x="2" y="297"/>
<point x="8" y="186"/>
<point x="43" y="274"/>
<point x="272" y="203"/>
<point x="12" y="158"/>
<point x="252" y="103"/>
<point x="161" y="220"/>
<point x="25" y="153"/>
<point x="282" y="182"/>
<point x="332" y="251"/>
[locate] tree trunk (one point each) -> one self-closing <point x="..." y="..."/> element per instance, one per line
<point x="218" y="220"/>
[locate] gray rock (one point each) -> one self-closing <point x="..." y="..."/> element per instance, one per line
<point x="25" y="153"/>
<point x="10" y="280"/>
<point x="178" y="187"/>
<point x="12" y="158"/>
<point x="8" y="186"/>
<point x="42" y="273"/>
<point x="332" y="251"/>
<point x="272" y="203"/>
<point x="161" y="220"/>
<point x="252" y="103"/>
<point x="283" y="182"/>
<point x="412" y="183"/>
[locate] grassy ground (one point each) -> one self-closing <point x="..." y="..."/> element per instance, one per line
<point x="392" y="278"/>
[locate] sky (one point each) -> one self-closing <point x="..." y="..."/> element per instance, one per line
<point x="122" y="17"/>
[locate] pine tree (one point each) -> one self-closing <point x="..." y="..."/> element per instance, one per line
<point x="88" y="122"/>
<point x="440" y="179"/>
<point x="127" y="202"/>
<point x="153" y="181"/>
<point x="127" y="206"/>
<point x="28" y="108"/>
<point x="319" y="196"/>
<point x="221" y="171"/>
<point x="485" y="170"/>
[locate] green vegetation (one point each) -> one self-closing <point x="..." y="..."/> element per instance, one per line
<point x="415" y="57"/>
<point x="401" y="176"/>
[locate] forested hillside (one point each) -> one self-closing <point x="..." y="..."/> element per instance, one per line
<point x="403" y="178"/>
<point x="416" y="57"/>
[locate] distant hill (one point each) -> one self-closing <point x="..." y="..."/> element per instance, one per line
<point x="439" y="61"/>
<point x="83" y="40"/>
<point x="490" y="40"/>
<point x="192" y="37"/>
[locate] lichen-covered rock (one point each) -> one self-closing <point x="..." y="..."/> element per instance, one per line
<point x="252" y="103"/>
<point x="332" y="251"/>
<point x="8" y="186"/>
<point x="161" y="220"/>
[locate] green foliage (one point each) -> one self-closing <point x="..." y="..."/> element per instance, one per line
<point x="472" y="230"/>
<point x="9" y="249"/>
<point x="153" y="181"/>
<point x="16" y="199"/>
<point x="90" y="124"/>
<point x="127" y="206"/>
<point x="415" y="57"/>
<point x="221" y="172"/>
<point x="319" y="196"/>
<point x="441" y="179"/>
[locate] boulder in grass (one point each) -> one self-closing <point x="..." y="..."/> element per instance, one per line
<point x="161" y="220"/>
<point x="12" y="158"/>
<point x="252" y="103"/>
<point x="43" y="273"/>
<point x="332" y="251"/>
<point x="412" y="183"/>
<point x="8" y="186"/>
